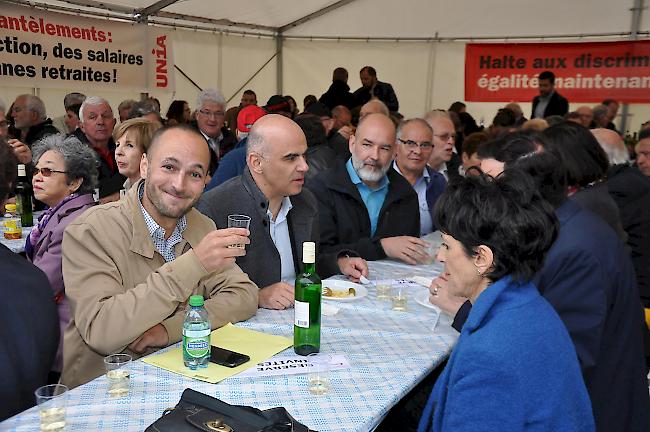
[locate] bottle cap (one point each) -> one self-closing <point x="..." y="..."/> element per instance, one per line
<point x="309" y="252"/>
<point x="196" y="300"/>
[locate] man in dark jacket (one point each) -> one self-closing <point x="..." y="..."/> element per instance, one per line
<point x="28" y="318"/>
<point x="210" y="119"/>
<point x="549" y="102"/>
<point x="372" y="87"/>
<point x="30" y="119"/>
<point x="339" y="91"/>
<point x="364" y="204"/>
<point x="283" y="214"/>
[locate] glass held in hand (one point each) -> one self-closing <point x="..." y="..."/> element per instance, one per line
<point x="238" y="221"/>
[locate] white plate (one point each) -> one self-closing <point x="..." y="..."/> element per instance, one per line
<point x="340" y="285"/>
<point x="423" y="299"/>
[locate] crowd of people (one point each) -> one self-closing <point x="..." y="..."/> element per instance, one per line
<point x="545" y="225"/>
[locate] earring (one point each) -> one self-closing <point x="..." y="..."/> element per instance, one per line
<point x="479" y="272"/>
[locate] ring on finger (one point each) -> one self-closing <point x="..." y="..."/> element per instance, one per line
<point x="436" y="287"/>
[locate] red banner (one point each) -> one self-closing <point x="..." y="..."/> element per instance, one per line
<point x="585" y="72"/>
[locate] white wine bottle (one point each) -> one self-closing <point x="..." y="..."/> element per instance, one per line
<point x="306" y="326"/>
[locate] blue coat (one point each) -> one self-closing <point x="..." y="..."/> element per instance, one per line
<point x="589" y="280"/>
<point x="509" y="372"/>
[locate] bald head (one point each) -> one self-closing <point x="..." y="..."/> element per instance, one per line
<point x="272" y="129"/>
<point x="376" y="121"/>
<point x="586" y="115"/>
<point x="613" y="145"/>
<point x="374" y="106"/>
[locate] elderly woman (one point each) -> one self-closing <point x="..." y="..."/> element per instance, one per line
<point x="65" y="175"/>
<point x="508" y="372"/>
<point x="132" y="139"/>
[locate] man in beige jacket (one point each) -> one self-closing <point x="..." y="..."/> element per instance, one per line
<point x="130" y="266"/>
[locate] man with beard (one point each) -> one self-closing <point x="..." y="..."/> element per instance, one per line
<point x="131" y="266"/>
<point x="365" y="205"/>
<point x="549" y="102"/>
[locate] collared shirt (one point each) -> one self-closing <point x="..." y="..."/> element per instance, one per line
<point x="166" y="247"/>
<point x="420" y="187"/>
<point x="541" y="105"/>
<point x="444" y="171"/>
<point x="213" y="143"/>
<point x="372" y="198"/>
<point x="279" y="230"/>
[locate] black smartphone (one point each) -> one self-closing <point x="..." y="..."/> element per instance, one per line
<point x="224" y="357"/>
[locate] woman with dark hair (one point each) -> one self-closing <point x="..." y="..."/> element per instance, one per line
<point x="586" y="164"/>
<point x="508" y="372"/>
<point x="178" y="112"/>
<point x="65" y="176"/>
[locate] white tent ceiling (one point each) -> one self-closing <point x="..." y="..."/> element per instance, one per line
<point x="386" y="19"/>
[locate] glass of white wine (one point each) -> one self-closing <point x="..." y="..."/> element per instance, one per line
<point x="118" y="374"/>
<point x="399" y="297"/>
<point x="238" y="221"/>
<point x="51" y="400"/>
<point x="318" y="378"/>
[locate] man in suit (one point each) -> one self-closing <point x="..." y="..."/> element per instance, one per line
<point x="549" y="102"/>
<point x="283" y="214"/>
<point x="371" y="87"/>
<point x="28" y="317"/>
<point x="210" y="119"/>
<point x="413" y="149"/>
<point x="364" y="204"/>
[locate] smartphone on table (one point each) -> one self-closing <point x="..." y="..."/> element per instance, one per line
<point x="224" y="357"/>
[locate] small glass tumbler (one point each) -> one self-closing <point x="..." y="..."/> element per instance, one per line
<point x="118" y="374"/>
<point x="51" y="400"/>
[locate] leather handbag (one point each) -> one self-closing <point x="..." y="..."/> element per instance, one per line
<point x="200" y="412"/>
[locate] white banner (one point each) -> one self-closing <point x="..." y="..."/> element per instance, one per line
<point x="48" y="49"/>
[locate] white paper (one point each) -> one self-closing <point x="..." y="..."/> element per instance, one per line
<point x="403" y="282"/>
<point x="294" y="365"/>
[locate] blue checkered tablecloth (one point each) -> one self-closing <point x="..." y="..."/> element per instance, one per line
<point x="390" y="352"/>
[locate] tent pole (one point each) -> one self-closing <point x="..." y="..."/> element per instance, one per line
<point x="278" y="61"/>
<point x="637" y="10"/>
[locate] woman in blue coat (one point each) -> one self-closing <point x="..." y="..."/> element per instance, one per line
<point x="514" y="367"/>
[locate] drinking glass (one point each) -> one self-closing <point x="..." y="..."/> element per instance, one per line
<point x="399" y="297"/>
<point x="318" y="378"/>
<point x="51" y="400"/>
<point x="118" y="374"/>
<point x="383" y="291"/>
<point x="238" y="221"/>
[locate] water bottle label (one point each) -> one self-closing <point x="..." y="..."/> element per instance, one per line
<point x="196" y="343"/>
<point x="301" y="314"/>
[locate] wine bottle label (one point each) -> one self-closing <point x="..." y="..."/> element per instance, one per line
<point x="301" y="314"/>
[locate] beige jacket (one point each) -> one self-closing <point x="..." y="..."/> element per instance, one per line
<point x="119" y="286"/>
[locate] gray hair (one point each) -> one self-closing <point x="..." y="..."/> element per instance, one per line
<point x="92" y="101"/>
<point x="210" y="95"/>
<point x="419" y="121"/>
<point x="126" y="104"/>
<point x="79" y="159"/>
<point x="73" y="98"/>
<point x="255" y="141"/>
<point x="600" y="111"/>
<point x="34" y="104"/>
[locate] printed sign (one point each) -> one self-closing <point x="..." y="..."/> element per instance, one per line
<point x="585" y="72"/>
<point x="48" y="49"/>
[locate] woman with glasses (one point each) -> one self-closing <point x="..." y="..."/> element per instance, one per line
<point x="65" y="176"/>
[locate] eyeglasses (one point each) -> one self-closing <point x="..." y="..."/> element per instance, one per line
<point x="213" y="114"/>
<point x="446" y="136"/>
<point x="412" y="145"/>
<point x="46" y="172"/>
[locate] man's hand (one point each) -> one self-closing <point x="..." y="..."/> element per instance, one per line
<point x="21" y="150"/>
<point x="440" y="296"/>
<point x="155" y="337"/>
<point x="213" y="251"/>
<point x="409" y="249"/>
<point x="279" y="295"/>
<point x="345" y="131"/>
<point x="353" y="267"/>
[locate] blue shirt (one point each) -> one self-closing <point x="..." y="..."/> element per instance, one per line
<point x="279" y="230"/>
<point x="372" y="198"/>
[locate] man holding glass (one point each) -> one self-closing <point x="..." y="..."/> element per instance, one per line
<point x="283" y="214"/>
<point x="130" y="266"/>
